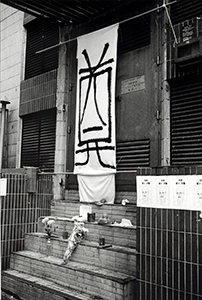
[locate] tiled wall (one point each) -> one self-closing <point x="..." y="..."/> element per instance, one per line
<point x="13" y="41"/>
<point x="38" y="93"/>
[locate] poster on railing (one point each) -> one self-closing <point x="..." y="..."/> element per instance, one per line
<point x="3" y="186"/>
<point x="172" y="192"/>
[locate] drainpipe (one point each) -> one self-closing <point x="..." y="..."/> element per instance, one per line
<point x="3" y="114"/>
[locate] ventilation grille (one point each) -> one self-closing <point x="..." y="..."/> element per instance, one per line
<point x="186" y="124"/>
<point x="184" y="10"/>
<point x="40" y="35"/>
<point x="134" y="34"/>
<point x="132" y="154"/>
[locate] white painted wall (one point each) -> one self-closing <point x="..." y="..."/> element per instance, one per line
<point x="13" y="42"/>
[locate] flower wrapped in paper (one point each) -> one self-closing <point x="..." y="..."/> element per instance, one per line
<point x="79" y="232"/>
<point x="49" y="225"/>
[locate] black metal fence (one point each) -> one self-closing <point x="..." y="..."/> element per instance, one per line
<point x="21" y="208"/>
<point x="169" y="246"/>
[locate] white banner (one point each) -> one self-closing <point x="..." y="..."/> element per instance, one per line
<point x="172" y="192"/>
<point x="95" y="107"/>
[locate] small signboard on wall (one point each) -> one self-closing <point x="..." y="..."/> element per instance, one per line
<point x="171" y="192"/>
<point x="133" y="84"/>
<point x="3" y="186"/>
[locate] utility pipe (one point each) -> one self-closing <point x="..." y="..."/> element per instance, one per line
<point x="3" y="115"/>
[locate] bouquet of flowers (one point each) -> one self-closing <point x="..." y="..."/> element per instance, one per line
<point x="49" y="228"/>
<point x="79" y="232"/>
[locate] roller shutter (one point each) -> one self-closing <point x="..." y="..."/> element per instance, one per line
<point x="41" y="33"/>
<point x="132" y="154"/>
<point x="38" y="141"/>
<point x="186" y="123"/>
<point x="183" y="10"/>
<point x="134" y="34"/>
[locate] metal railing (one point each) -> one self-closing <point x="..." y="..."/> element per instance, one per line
<point x="169" y="253"/>
<point x="21" y="209"/>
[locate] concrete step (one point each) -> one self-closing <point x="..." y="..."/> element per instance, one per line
<point x="83" y="277"/>
<point x="29" y="287"/>
<point x="111" y="257"/>
<point x="115" y="212"/>
<point x="115" y="235"/>
<point x="73" y="195"/>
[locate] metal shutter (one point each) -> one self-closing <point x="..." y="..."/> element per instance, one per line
<point x="38" y="140"/>
<point x="47" y="141"/>
<point x="186" y="123"/>
<point x="132" y="154"/>
<point x="134" y="34"/>
<point x="185" y="9"/>
<point x="30" y="141"/>
<point x="41" y="34"/>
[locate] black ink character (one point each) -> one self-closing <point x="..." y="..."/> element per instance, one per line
<point x="88" y="135"/>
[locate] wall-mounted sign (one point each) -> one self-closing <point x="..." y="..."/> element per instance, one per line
<point x="188" y="30"/>
<point x="133" y="84"/>
<point x="3" y="186"/>
<point x="173" y="192"/>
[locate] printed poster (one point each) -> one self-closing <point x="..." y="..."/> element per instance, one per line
<point x="171" y="192"/>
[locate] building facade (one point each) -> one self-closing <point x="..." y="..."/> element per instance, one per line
<point x="158" y="63"/>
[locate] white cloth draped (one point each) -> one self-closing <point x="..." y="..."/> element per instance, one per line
<point x="96" y="188"/>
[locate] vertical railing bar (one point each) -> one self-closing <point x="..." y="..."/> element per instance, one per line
<point x="156" y="247"/>
<point x="33" y="212"/>
<point x="20" y="213"/>
<point x="140" y="254"/>
<point x="191" y="266"/>
<point x="185" y="255"/>
<point x="145" y="246"/>
<point x="23" y="206"/>
<point x="151" y="229"/>
<point x="29" y="210"/>
<point x="15" y="179"/>
<point x="161" y="253"/>
<point x="6" y="235"/>
<point x="167" y="243"/>
<point x="172" y="255"/>
<point x="178" y="255"/>
<point x="3" y="217"/>
<point x="38" y="211"/>
<point x="15" y="212"/>
<point x="197" y="257"/>
<point x="10" y="216"/>
<point x="3" y="221"/>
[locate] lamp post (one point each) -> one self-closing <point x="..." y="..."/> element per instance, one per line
<point x="3" y="114"/>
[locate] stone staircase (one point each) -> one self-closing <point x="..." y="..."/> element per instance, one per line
<point x="93" y="272"/>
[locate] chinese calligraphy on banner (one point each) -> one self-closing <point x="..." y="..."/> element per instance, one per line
<point x="95" y="111"/>
<point x="95" y="114"/>
<point x="174" y="192"/>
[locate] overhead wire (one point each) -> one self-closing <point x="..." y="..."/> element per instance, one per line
<point x="164" y="5"/>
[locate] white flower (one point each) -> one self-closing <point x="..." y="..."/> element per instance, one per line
<point x="50" y="222"/>
<point x="45" y="220"/>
